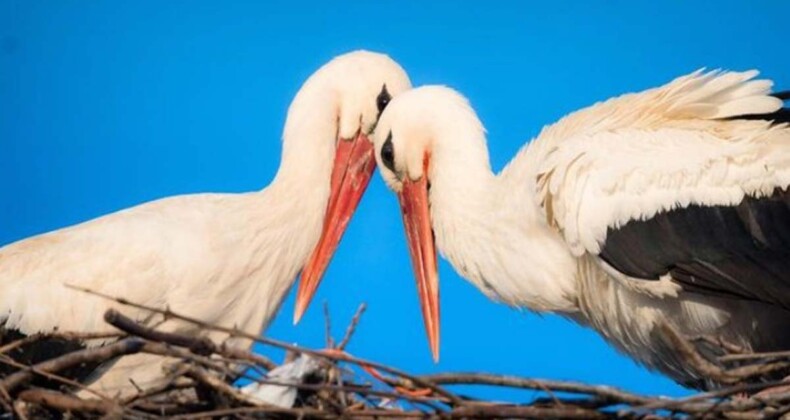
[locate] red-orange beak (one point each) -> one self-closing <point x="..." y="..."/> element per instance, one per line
<point x="419" y="234"/>
<point x="354" y="164"/>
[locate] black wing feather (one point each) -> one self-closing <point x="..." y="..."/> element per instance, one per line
<point x="740" y="251"/>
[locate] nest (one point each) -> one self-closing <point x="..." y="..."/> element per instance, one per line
<point x="341" y="385"/>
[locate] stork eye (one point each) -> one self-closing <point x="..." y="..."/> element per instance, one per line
<point x="383" y="99"/>
<point x="387" y="154"/>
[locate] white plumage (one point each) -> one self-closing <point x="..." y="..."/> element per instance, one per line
<point x="227" y="259"/>
<point x="553" y="231"/>
<point x="633" y="156"/>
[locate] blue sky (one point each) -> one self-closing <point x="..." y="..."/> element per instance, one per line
<point x="104" y="105"/>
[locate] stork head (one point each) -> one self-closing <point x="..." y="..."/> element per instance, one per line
<point x="425" y="136"/>
<point x="357" y="87"/>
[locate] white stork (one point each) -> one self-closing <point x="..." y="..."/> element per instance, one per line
<point x="227" y="259"/>
<point x="669" y="205"/>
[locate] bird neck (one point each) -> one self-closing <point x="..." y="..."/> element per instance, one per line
<point x="489" y="228"/>
<point x="309" y="138"/>
<point x="288" y="215"/>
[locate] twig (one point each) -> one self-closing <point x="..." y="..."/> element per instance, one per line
<point x="606" y="392"/>
<point x="352" y="327"/>
<point x="710" y="370"/>
<point x="755" y="356"/>
<point x="330" y="343"/>
<point x="504" y="411"/>
<point x="217" y="384"/>
<point x="65" y="402"/>
<point x="53" y="377"/>
<point x="99" y="354"/>
<point x="56" y="335"/>
<point x="6" y="401"/>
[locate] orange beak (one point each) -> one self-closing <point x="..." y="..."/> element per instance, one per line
<point x="419" y="234"/>
<point x="354" y="164"/>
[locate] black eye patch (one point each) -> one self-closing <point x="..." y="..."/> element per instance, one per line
<point x="383" y="99"/>
<point x="388" y="154"/>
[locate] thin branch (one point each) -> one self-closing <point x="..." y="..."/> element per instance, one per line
<point x="65" y="402"/>
<point x="98" y="354"/>
<point x="504" y="411"/>
<point x="710" y="370"/>
<point x="606" y="392"/>
<point x="330" y="343"/>
<point x="69" y="336"/>
<point x="198" y="345"/>
<point x="352" y="326"/>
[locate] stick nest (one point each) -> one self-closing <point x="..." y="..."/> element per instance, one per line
<point x="200" y="384"/>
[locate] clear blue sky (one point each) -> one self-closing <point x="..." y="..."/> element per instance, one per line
<point x="104" y="105"/>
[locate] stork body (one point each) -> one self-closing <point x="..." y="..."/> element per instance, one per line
<point x="226" y="259"/>
<point x="669" y="205"/>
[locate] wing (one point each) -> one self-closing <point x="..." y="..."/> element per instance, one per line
<point x="741" y="251"/>
<point x="142" y="254"/>
<point x="689" y="179"/>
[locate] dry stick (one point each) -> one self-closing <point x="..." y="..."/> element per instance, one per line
<point x="706" y="368"/>
<point x="711" y="395"/>
<point x="64" y="335"/>
<point x="120" y="348"/>
<point x="728" y="407"/>
<point x="66" y="381"/>
<point x="54" y="377"/>
<point x="65" y="402"/>
<point x="328" y="327"/>
<point x="7" y="402"/>
<point x="200" y="375"/>
<point x="300" y="413"/>
<point x="276" y="343"/>
<point x="332" y="371"/>
<point x="162" y="349"/>
<point x="607" y="392"/>
<point x="166" y="387"/>
<point x="719" y="342"/>
<point x="755" y="356"/>
<point x="500" y="411"/>
<point x="352" y="327"/>
<point x="19" y="410"/>
<point x="198" y="345"/>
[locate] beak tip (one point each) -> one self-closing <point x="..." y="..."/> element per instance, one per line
<point x="298" y="312"/>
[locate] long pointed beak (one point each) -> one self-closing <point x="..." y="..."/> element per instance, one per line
<point x="353" y="167"/>
<point x="417" y="222"/>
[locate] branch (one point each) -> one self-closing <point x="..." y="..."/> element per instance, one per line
<point x="514" y="411"/>
<point x="63" y="402"/>
<point x="352" y="327"/>
<point x="198" y="345"/>
<point x="99" y="354"/>
<point x="606" y="392"/>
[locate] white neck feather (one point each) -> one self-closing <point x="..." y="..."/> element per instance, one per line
<point x="283" y="222"/>
<point x="489" y="227"/>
